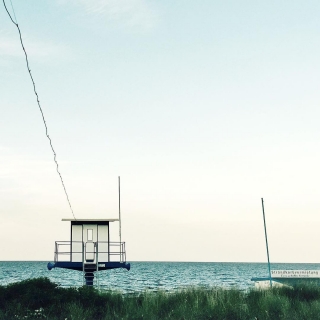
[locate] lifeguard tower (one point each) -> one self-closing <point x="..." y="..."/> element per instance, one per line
<point x="89" y="249"/>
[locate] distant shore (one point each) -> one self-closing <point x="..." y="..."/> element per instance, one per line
<point x="42" y="299"/>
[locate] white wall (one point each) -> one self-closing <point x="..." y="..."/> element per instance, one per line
<point x="76" y="247"/>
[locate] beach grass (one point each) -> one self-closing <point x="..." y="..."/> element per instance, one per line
<point x="42" y="299"/>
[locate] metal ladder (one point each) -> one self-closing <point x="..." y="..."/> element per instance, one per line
<point x="90" y="269"/>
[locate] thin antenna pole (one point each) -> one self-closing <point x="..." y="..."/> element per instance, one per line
<point x="265" y="232"/>
<point x="120" y="220"/>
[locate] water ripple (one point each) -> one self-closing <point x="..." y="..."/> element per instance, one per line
<point x="143" y="276"/>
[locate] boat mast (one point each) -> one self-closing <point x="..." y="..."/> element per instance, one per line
<point x="119" y="219"/>
<point x="265" y="232"/>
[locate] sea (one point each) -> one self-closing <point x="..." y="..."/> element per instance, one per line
<point x="153" y="276"/>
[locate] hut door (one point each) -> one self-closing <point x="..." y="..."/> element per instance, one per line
<point x="90" y="239"/>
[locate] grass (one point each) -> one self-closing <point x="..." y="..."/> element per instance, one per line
<point x="42" y="299"/>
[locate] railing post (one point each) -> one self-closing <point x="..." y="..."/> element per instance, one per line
<point x="55" y="251"/>
<point x="83" y="250"/>
<point x="122" y="251"/>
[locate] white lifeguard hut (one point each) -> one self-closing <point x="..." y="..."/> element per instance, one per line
<point x="89" y="249"/>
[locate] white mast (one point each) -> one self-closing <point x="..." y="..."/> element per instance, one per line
<point x="120" y="220"/>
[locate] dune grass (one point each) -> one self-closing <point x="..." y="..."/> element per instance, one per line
<point x="42" y="299"/>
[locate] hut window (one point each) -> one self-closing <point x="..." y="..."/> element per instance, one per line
<point x="89" y="234"/>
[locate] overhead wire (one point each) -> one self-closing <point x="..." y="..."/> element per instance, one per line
<point x="42" y="114"/>
<point x="14" y="12"/>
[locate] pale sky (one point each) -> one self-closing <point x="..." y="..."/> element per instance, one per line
<point x="202" y="108"/>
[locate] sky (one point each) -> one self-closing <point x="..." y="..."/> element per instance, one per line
<point x="201" y="107"/>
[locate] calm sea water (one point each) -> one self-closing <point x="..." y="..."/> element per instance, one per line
<point x="151" y="275"/>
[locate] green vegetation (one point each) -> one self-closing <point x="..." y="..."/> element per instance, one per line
<point x="42" y="299"/>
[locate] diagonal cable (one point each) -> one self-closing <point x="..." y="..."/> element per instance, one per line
<point x="13" y="12"/>
<point x="44" y="121"/>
